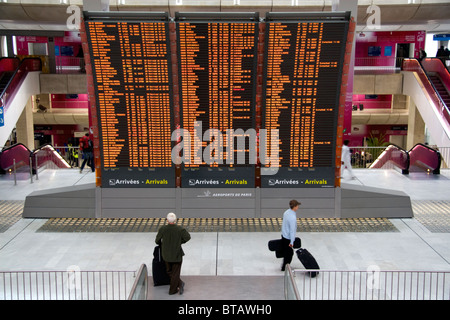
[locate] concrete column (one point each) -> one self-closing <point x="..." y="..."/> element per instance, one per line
<point x="10" y="46"/>
<point x="25" y="126"/>
<point x="51" y="55"/>
<point x="416" y="126"/>
<point x="352" y="6"/>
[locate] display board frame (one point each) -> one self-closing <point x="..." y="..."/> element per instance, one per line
<point x="307" y="175"/>
<point x="132" y="176"/>
<point x="213" y="175"/>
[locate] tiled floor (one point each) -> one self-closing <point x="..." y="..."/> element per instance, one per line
<point x="420" y="243"/>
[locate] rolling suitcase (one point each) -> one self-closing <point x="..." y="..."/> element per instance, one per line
<point x="308" y="261"/>
<point x="159" y="273"/>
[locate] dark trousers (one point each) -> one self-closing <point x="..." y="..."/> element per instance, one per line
<point x="288" y="252"/>
<point x="174" y="271"/>
<point x="89" y="158"/>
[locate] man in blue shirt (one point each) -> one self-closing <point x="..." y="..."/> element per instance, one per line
<point x="288" y="230"/>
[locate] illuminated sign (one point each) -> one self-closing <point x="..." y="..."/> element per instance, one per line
<point x="210" y="92"/>
<point x="132" y="72"/>
<point x="302" y="78"/>
<point x="217" y="67"/>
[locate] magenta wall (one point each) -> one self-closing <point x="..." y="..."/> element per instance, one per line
<point x="387" y="41"/>
<point x="70" y="39"/>
<point x="62" y="101"/>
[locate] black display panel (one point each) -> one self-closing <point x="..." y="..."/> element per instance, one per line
<point x="303" y="63"/>
<point x="217" y="84"/>
<point x="133" y="85"/>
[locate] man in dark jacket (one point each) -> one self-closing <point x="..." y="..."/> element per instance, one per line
<point x="171" y="237"/>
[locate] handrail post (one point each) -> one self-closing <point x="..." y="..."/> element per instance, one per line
<point x="290" y="282"/>
<point x="36" y="161"/>
<point x="14" y="168"/>
<point x="31" y="170"/>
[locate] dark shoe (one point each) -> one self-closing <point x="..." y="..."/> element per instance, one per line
<point x="182" y="287"/>
<point x="174" y="292"/>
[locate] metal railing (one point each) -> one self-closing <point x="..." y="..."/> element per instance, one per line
<point x="364" y="157"/>
<point x="69" y="64"/>
<point x="373" y="285"/>
<point x="290" y="288"/>
<point x="140" y="287"/>
<point x="66" y="285"/>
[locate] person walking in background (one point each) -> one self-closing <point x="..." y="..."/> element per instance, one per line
<point x="170" y="237"/>
<point x="288" y="231"/>
<point x="87" y="150"/>
<point x="346" y="162"/>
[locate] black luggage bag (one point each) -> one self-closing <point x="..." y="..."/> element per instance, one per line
<point x="308" y="261"/>
<point x="275" y="245"/>
<point x="159" y="273"/>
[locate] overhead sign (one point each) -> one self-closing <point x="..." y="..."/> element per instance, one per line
<point x="441" y="37"/>
<point x="2" y="118"/>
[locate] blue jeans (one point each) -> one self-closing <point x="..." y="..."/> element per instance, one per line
<point x="89" y="158"/>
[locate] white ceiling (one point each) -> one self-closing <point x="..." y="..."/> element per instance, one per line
<point x="432" y="16"/>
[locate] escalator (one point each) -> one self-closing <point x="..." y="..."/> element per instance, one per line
<point x="5" y="78"/>
<point x="19" y="80"/>
<point x="439" y="77"/>
<point x="428" y="84"/>
<point x="392" y="156"/>
<point x="7" y="68"/>
<point x="20" y="156"/>
<point x="419" y="158"/>
<point x="440" y="88"/>
<point x="424" y="159"/>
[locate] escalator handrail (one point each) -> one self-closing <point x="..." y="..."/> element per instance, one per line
<point x="16" y="65"/>
<point x="423" y="75"/>
<point x="22" y="67"/>
<point x="438" y="154"/>
<point x="408" y="159"/>
<point x="17" y="60"/>
<point x="13" y="146"/>
<point x="31" y="153"/>
<point x="401" y="150"/>
<point x="442" y="72"/>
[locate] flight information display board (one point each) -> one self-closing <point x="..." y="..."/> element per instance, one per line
<point x="302" y="79"/>
<point x="132" y="76"/>
<point x="217" y="70"/>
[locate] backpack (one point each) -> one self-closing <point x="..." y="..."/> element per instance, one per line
<point x="86" y="144"/>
